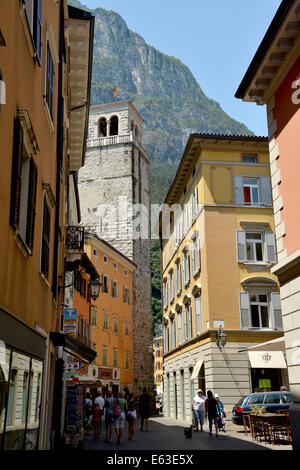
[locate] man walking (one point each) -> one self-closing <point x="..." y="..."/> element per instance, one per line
<point x="100" y="402"/>
<point x="198" y="408"/>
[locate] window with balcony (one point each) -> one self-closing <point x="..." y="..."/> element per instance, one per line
<point x="114" y="126"/>
<point x="102" y="127"/>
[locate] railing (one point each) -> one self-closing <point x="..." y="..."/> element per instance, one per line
<point x="75" y="238"/>
<point x="115" y="139"/>
<point x="110" y="140"/>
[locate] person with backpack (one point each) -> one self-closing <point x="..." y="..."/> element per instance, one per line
<point x="131" y="415"/>
<point x="211" y="411"/>
<point x="120" y="409"/>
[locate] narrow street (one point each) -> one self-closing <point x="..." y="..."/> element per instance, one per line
<point x="167" y="434"/>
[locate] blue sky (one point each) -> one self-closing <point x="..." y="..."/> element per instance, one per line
<point x="216" y="39"/>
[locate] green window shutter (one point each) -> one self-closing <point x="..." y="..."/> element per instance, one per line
<point x="241" y="245"/>
<point x="271" y="247"/>
<point x="16" y="174"/>
<point x="31" y="205"/>
<point x="244" y="310"/>
<point x="277" y="314"/>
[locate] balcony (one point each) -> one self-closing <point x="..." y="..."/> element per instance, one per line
<point x="74" y="246"/>
<point x="95" y="142"/>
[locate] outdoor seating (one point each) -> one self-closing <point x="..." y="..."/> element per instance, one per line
<point x="271" y="428"/>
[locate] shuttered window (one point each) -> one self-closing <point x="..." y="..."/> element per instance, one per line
<point x="277" y="313"/>
<point x="179" y="329"/>
<point x="198" y="315"/>
<point x="45" y="240"/>
<point x="23" y="189"/>
<point x="105" y="283"/>
<point x="256" y="246"/>
<point x="252" y="191"/>
<point x="49" y="81"/>
<point x="37" y="29"/>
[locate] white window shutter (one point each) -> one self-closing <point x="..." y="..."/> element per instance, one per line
<point x="183" y="270"/>
<point x="198" y="260"/>
<point x="244" y="310"/>
<point x="271" y="246"/>
<point x="241" y="245"/>
<point x="179" y="329"/>
<point x="198" y="314"/>
<point x="190" y="323"/>
<point x="238" y="190"/>
<point x="187" y="268"/>
<point x="265" y="186"/>
<point x="185" y="324"/>
<point x="277" y="314"/>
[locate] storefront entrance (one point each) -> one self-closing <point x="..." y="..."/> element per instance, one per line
<point x="266" y="380"/>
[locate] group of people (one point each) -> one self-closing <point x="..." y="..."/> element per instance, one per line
<point x="210" y="407"/>
<point x="116" y="410"/>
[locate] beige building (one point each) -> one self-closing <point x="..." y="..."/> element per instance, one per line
<point x="216" y="272"/>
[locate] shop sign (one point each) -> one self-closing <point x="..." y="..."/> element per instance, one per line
<point x="70" y="321"/>
<point x="266" y="359"/>
<point x="105" y="373"/>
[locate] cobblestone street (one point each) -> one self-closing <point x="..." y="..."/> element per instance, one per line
<point x="167" y="434"/>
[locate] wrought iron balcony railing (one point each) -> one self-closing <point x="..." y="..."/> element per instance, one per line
<point x="75" y="238"/>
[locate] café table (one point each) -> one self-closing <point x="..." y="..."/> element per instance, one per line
<point x="269" y="420"/>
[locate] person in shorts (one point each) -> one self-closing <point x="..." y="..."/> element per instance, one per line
<point x="109" y="418"/>
<point x="120" y="420"/>
<point x="131" y="415"/>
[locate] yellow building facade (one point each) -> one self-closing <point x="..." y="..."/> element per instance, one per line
<point x="217" y="253"/>
<point x="111" y="315"/>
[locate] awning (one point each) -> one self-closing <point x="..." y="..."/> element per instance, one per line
<point x="85" y="379"/>
<point x="267" y="360"/>
<point x="277" y="344"/>
<point x="73" y="346"/>
<point x="196" y="369"/>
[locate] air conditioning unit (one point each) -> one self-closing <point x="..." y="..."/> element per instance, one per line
<point x="116" y="374"/>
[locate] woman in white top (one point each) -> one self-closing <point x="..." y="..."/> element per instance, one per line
<point x="198" y="408"/>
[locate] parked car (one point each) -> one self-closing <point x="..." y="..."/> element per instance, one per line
<point x="273" y="401"/>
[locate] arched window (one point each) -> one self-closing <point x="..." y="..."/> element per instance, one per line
<point x="114" y="124"/>
<point x="102" y="127"/>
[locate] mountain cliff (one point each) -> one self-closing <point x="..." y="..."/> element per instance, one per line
<point x="165" y="93"/>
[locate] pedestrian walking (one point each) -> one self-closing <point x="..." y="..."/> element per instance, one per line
<point x="109" y="418"/>
<point x="198" y="408"/>
<point x="120" y="409"/>
<point x="144" y="409"/>
<point x="99" y="400"/>
<point x="96" y="413"/>
<point x="221" y="414"/>
<point x="88" y="412"/>
<point x="211" y="411"/>
<point x="131" y="415"/>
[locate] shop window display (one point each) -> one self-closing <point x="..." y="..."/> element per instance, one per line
<point x="20" y="397"/>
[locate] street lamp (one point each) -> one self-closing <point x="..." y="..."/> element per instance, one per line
<point x="221" y="337"/>
<point x="95" y="288"/>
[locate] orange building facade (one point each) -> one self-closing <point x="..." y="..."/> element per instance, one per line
<point x="273" y="79"/>
<point x="37" y="123"/>
<point x="111" y="316"/>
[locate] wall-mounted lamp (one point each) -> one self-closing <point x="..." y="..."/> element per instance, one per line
<point x="95" y="288"/>
<point x="221" y="337"/>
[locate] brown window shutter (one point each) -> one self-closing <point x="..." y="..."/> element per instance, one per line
<point x="31" y="204"/>
<point x="16" y="174"/>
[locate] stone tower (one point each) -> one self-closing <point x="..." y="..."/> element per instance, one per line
<point x="114" y="200"/>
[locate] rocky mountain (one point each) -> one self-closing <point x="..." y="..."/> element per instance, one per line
<point x="162" y="89"/>
<point x="165" y="93"/>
